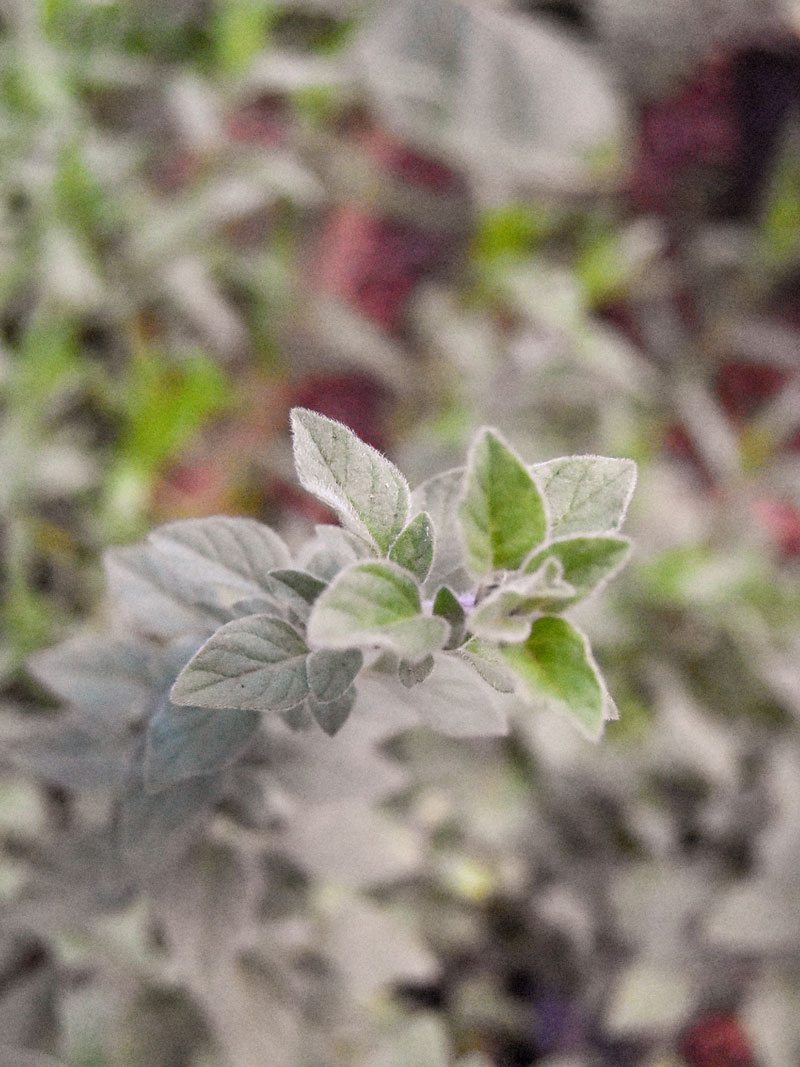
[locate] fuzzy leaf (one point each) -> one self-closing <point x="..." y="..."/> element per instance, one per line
<point x="503" y="514"/>
<point x="331" y="549"/>
<point x="488" y="661"/>
<point x="413" y="548"/>
<point x="331" y="672"/>
<point x="507" y="612"/>
<point x="232" y="556"/>
<point x="296" y="590"/>
<point x="586" y="494"/>
<point x="375" y="604"/>
<point x="439" y="497"/>
<point x="331" y="715"/>
<point x="257" y="663"/>
<point x="411" y="674"/>
<point x="365" y="489"/>
<point x="447" y="604"/>
<point x="587" y="563"/>
<point x="186" y="742"/>
<point x="556" y="669"/>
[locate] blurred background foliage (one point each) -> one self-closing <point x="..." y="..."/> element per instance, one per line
<point x="576" y="221"/>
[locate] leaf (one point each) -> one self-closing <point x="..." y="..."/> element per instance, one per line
<point x="297" y="590"/>
<point x="586" y="494"/>
<point x="439" y="497"/>
<point x="137" y="586"/>
<point x="556" y="669"/>
<point x="447" y="604"/>
<point x="488" y="661"/>
<point x="365" y="489"/>
<point x="502" y="514"/>
<point x="453" y="699"/>
<point x="587" y="563"/>
<point x="331" y="549"/>
<point x="68" y="755"/>
<point x="413" y="548"/>
<point x="256" y="663"/>
<point x="332" y="672"/>
<point x="411" y="674"/>
<point x="507" y="612"/>
<point x="232" y="556"/>
<point x="111" y="678"/>
<point x="375" y="604"/>
<point x="331" y="715"/>
<point x="186" y="742"/>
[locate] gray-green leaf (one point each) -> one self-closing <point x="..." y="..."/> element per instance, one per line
<point x="556" y="669"/>
<point x="503" y="513"/>
<point x="375" y="604"/>
<point x="331" y="715"/>
<point x="586" y="494"/>
<point x="365" y="489"/>
<point x="186" y="742"/>
<point x="440" y="497"/>
<point x="256" y="663"/>
<point x="331" y="672"/>
<point x="413" y="548"/>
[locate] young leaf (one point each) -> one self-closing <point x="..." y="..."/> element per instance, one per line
<point x="296" y="590"/>
<point x="556" y="669"/>
<point x="375" y="604"/>
<point x="331" y="715"/>
<point x="506" y="613"/>
<point x="413" y="548"/>
<point x="411" y="674"/>
<point x="488" y="661"/>
<point x="369" y="493"/>
<point x="257" y="663"/>
<point x="439" y="497"/>
<point x="447" y="604"/>
<point x="587" y="562"/>
<point x="503" y="514"/>
<point x="586" y="494"/>
<point x="187" y="742"/>
<point x="332" y="672"/>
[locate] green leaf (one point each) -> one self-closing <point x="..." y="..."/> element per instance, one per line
<point x="507" y="612"/>
<point x="556" y="669"/>
<point x="369" y="493"/>
<point x="586" y="494"/>
<point x="413" y="548"/>
<point x="587" y="562"/>
<point x="186" y="742"/>
<point x="375" y="604"/>
<point x="447" y="604"/>
<point x="487" y="659"/>
<point x="440" y="497"/>
<point x="332" y="672"/>
<point x="503" y="514"/>
<point x="331" y="715"/>
<point x="256" y="663"/>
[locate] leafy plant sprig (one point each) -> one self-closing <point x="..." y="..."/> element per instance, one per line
<point x="442" y="599"/>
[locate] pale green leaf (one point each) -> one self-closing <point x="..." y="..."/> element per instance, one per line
<point x="375" y="604"/>
<point x="365" y="489"/>
<point x="185" y="742"/>
<point x="587" y="563"/>
<point x="586" y="494"/>
<point x="502" y="514"/>
<point x="556" y="669"/>
<point x="440" y="497"/>
<point x="331" y="672"/>
<point x="506" y="613"/>
<point x="487" y="659"/>
<point x="413" y="548"/>
<point x="256" y="663"/>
